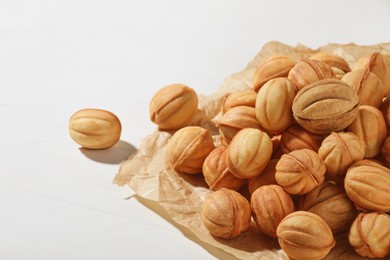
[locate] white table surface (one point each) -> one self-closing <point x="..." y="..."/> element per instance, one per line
<point x="58" y="201"/>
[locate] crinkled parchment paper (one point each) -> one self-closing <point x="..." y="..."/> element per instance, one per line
<point x="148" y="174"/>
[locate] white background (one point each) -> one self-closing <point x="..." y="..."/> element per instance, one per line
<point x="58" y="201"/>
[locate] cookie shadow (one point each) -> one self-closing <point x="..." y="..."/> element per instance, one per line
<point x="121" y="151"/>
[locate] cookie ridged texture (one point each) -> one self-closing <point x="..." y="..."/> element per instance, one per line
<point x="368" y="185"/>
<point x="330" y="202"/>
<point x="273" y="67"/>
<point x="235" y="119"/>
<point x="173" y="106"/>
<point x="273" y="105"/>
<point x="248" y="153"/>
<point x="296" y="137"/>
<point x="308" y="71"/>
<point x="239" y="98"/>
<point x="339" y="151"/>
<point x="188" y="148"/>
<point x="95" y="128"/>
<point x="376" y="65"/>
<point x="270" y="204"/>
<point x="304" y="235"/>
<point x="370" y="234"/>
<point x="300" y="171"/>
<point x="367" y="85"/>
<point x="216" y="172"/>
<point x="325" y="106"/>
<point x="332" y="61"/>
<point x="226" y="213"/>
<point x="370" y="126"/>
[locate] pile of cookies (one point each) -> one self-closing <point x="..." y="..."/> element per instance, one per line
<point x="309" y="142"/>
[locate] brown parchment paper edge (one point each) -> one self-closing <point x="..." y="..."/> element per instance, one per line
<point x="148" y="174"/>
